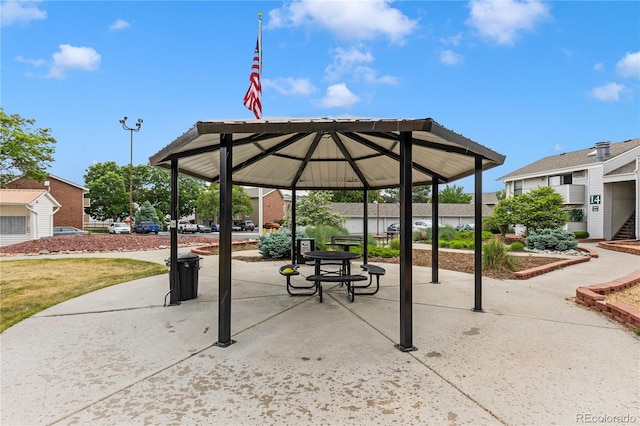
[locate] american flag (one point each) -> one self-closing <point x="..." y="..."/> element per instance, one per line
<point x="254" y="93"/>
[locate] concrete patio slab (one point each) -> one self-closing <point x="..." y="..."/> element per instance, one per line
<point x="118" y="356"/>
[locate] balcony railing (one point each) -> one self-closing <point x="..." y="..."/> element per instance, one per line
<point x="572" y="194"/>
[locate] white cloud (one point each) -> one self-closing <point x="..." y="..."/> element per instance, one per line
<point x="353" y="20"/>
<point x="452" y="41"/>
<point x="369" y="75"/>
<point x="449" y="57"/>
<point x="348" y="62"/>
<point x="73" y="58"/>
<point x="344" y="62"/>
<point x="598" y="67"/>
<point x="32" y="62"/>
<point x="610" y="92"/>
<point x="558" y="148"/>
<point x="120" y="24"/>
<point x="338" y="95"/>
<point x="291" y="86"/>
<point x="503" y="20"/>
<point x="629" y="66"/>
<point x="20" y="12"/>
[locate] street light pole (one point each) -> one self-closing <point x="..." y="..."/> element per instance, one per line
<point x="131" y="130"/>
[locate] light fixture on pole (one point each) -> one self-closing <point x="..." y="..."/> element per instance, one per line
<point x="131" y="130"/>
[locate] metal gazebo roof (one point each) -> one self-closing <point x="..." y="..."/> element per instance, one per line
<point x="325" y="153"/>
<point x="347" y="154"/>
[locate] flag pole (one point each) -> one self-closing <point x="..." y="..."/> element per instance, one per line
<point x="260" y="48"/>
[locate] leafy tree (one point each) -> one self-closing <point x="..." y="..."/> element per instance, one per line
<point x="313" y="209"/>
<point x="108" y="191"/>
<point x="419" y="194"/>
<point x="390" y="195"/>
<point x="538" y="209"/>
<point x="352" y="196"/>
<point x="24" y="150"/>
<point x="541" y="208"/>
<point x="111" y="201"/>
<point x="146" y="213"/>
<point x="501" y="194"/>
<point x="208" y="202"/>
<point x="504" y="215"/>
<point x="453" y="195"/>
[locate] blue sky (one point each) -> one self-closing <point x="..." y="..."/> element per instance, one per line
<point x="528" y="79"/>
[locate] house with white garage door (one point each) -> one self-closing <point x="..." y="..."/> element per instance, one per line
<point x="26" y="214"/>
<point x="600" y="186"/>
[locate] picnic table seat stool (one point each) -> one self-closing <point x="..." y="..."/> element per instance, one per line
<point x="374" y="271"/>
<point x="291" y="270"/>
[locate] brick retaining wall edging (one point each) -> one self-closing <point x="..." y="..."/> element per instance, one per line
<point x="530" y="273"/>
<point x="593" y="297"/>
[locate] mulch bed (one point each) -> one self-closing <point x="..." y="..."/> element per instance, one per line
<point x="460" y="262"/>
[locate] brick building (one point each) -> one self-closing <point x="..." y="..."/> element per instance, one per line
<point x="273" y="205"/>
<point x="68" y="194"/>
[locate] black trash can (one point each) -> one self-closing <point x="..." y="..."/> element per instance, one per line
<point x="187" y="286"/>
<point x="304" y="245"/>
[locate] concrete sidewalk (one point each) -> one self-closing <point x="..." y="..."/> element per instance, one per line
<point x="117" y="356"/>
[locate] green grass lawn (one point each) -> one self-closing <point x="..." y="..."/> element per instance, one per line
<point x="33" y="285"/>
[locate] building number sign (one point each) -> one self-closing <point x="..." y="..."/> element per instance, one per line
<point x="595" y="199"/>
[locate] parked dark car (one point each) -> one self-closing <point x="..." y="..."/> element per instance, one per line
<point x="270" y="225"/>
<point x="245" y="225"/>
<point x="465" y="227"/>
<point x="393" y="229"/>
<point x="204" y="228"/>
<point x="215" y="227"/>
<point x="67" y="230"/>
<point x="147" y="227"/>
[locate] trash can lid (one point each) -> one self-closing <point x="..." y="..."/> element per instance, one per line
<point x="183" y="257"/>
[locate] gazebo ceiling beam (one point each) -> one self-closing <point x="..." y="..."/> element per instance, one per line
<point x="303" y="165"/>
<point x="393" y="155"/>
<point x="349" y="158"/>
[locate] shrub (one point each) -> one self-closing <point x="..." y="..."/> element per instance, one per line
<point x="495" y="256"/>
<point x="395" y="243"/>
<point x="277" y="245"/>
<point x="576" y="215"/>
<point x="458" y="244"/>
<point x="581" y="234"/>
<point x="470" y="235"/>
<point x="444" y="244"/>
<point x="323" y="233"/>
<point x="551" y="239"/>
<point x="446" y="233"/>
<point x="516" y="246"/>
<point x="418" y="236"/>
<point x="376" y="251"/>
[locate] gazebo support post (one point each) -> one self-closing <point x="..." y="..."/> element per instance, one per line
<point x="435" y="232"/>
<point x="294" y="248"/>
<point x="478" y="236"/>
<point x="224" y="243"/>
<point x="174" y="287"/>
<point x="365" y="225"/>
<point x="406" y="213"/>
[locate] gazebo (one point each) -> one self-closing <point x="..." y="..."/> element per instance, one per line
<point x="332" y="154"/>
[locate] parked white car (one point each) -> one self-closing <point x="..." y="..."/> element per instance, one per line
<point x="421" y="225"/>
<point x="187" y="226"/>
<point x="118" y="228"/>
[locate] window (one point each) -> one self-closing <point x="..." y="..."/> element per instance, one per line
<point x="561" y="180"/>
<point x="517" y="187"/>
<point x="13" y="225"/>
